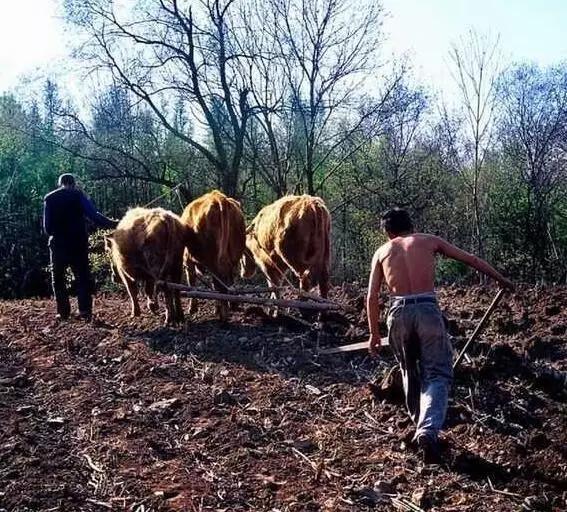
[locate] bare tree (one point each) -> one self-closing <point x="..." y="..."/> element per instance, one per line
<point x="327" y="47"/>
<point x="270" y="135"/>
<point x="533" y="128"/>
<point x="476" y="67"/>
<point x="401" y="128"/>
<point x="163" y="48"/>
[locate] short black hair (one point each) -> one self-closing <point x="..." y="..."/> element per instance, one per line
<point x="397" y="221"/>
<point x="66" y="180"/>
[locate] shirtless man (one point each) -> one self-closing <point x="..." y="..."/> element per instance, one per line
<point x="416" y="330"/>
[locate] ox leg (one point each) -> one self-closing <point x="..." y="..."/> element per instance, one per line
<point x="132" y="289"/>
<point x="221" y="305"/>
<point x="233" y="306"/>
<point x="171" y="302"/>
<point x="191" y="274"/>
<point x="273" y="277"/>
<point x="177" y="307"/>
<point x="169" y="307"/>
<point x="305" y="281"/>
<point x="324" y="283"/>
<point x="150" y="289"/>
<point x="180" y="317"/>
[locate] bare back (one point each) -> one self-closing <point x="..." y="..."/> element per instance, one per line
<point x="408" y="263"/>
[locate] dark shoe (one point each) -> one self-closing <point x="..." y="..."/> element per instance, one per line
<point x="429" y="449"/>
<point x="85" y="317"/>
<point x="61" y="318"/>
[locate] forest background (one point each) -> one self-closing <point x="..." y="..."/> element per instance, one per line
<point x="266" y="98"/>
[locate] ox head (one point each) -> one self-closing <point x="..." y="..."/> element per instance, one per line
<point x="247" y="264"/>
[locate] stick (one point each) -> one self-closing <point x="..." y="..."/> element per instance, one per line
<point x="299" y="304"/>
<point x="505" y="493"/>
<point x="361" y="345"/>
<point x="406" y="505"/>
<point x="480" y="325"/>
<point x="244" y="291"/>
<point x="100" y="503"/>
<point x="317" y="298"/>
<point x="91" y="464"/>
<point x="257" y="289"/>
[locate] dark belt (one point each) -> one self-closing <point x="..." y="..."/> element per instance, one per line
<point x="413" y="300"/>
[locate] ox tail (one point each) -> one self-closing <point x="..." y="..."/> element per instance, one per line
<point x="123" y="271"/>
<point x="326" y="235"/>
<point x="116" y="258"/>
<point x="321" y="240"/>
<point x="150" y="256"/>
<point x="223" y="255"/>
<point x="167" y="261"/>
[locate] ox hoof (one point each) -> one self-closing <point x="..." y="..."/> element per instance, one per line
<point x="222" y="314"/>
<point x="173" y="322"/>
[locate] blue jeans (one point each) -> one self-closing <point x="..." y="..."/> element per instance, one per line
<point x="417" y="335"/>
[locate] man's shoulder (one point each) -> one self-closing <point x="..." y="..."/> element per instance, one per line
<point x="52" y="194"/>
<point x="63" y="194"/>
<point x="427" y="238"/>
<point x="383" y="251"/>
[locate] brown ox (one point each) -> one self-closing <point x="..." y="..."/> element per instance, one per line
<point x="291" y="234"/>
<point x="219" y="228"/>
<point x="146" y="246"/>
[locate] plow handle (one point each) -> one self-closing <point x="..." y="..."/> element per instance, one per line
<point x="479" y="327"/>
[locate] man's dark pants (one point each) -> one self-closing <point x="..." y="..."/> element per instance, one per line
<point x="76" y="256"/>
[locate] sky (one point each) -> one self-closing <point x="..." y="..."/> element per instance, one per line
<point x="532" y="30"/>
<point x="34" y="42"/>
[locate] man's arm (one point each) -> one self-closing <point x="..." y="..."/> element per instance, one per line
<point x="47" y="219"/>
<point x="95" y="216"/>
<point x="479" y="264"/>
<point x="373" y="303"/>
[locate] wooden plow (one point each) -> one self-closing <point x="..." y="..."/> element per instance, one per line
<point x="307" y="301"/>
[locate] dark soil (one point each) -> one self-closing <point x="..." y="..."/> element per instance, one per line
<point x="125" y="414"/>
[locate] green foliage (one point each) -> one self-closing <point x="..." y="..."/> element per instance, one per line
<point x="100" y="263"/>
<point x="451" y="271"/>
<point x="125" y="157"/>
<point x="29" y="164"/>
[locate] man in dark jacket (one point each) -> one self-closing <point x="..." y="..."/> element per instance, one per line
<point x="65" y="212"/>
